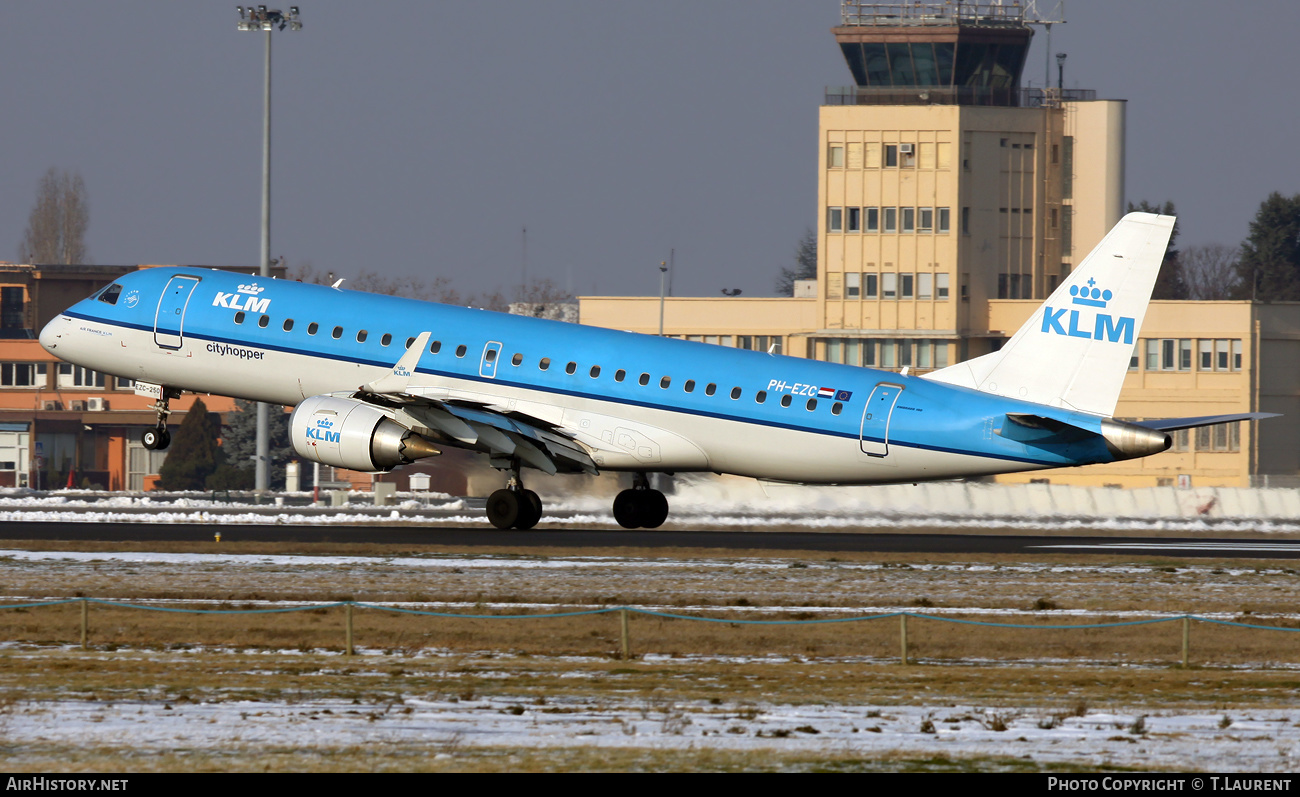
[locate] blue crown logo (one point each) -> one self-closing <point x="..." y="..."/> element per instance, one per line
<point x="253" y="289"/>
<point x="1090" y="296"/>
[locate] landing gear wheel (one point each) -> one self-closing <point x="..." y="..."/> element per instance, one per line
<point x="627" y="509"/>
<point x="503" y="509"/>
<point x="530" y="510"/>
<point x="156" y="439"/>
<point x="654" y="509"/>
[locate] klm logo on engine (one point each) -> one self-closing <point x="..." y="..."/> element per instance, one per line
<point x="1075" y="323"/>
<point x="321" y="431"/>
<point x="245" y="298"/>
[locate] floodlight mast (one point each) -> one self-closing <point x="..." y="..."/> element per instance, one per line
<point x="259" y="19"/>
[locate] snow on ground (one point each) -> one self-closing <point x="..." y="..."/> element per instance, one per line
<point x="1257" y="741"/>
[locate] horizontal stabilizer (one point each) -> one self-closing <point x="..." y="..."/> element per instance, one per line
<point x="1173" y="424"/>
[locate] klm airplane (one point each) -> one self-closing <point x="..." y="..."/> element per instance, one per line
<point x="381" y="381"/>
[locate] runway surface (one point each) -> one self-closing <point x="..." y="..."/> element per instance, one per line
<point x="487" y="537"/>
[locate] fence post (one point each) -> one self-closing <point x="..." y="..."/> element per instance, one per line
<point x="349" y="651"/>
<point x="902" y="627"/>
<point x="85" y="622"/>
<point x="1187" y="639"/>
<point x="623" y="623"/>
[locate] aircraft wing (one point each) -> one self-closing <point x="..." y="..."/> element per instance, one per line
<point x="481" y="427"/>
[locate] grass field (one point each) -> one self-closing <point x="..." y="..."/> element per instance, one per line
<point x="162" y="691"/>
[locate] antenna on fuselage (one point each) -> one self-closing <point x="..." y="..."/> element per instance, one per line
<point x="336" y="285"/>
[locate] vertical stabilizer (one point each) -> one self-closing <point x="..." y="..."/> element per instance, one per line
<point x="1075" y="350"/>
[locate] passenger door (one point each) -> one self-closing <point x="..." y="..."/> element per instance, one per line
<point x="169" y="322"/>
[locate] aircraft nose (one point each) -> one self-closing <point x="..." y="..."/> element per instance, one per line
<point x="52" y="333"/>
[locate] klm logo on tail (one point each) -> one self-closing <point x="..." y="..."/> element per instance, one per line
<point x="1074" y="323"/>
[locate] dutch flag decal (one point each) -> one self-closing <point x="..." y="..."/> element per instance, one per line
<point x="826" y="392"/>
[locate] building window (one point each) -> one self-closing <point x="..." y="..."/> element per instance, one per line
<point x="925" y="219"/>
<point x="889" y="285"/>
<point x="1135" y="361"/>
<point x="834" y="219"/>
<point x="906" y="283"/>
<point x="907" y="156"/>
<point x="924" y="286"/>
<point x="873" y="219"/>
<point x="855" y="219"/>
<point x="853" y="286"/>
<point x="941" y="286"/>
<point x="891" y="219"/>
<point x="909" y="219"/>
<point x="71" y="376"/>
<point x="1185" y="354"/>
<point x="1219" y="437"/>
<point x="891" y="156"/>
<point x="965" y="221"/>
<point x="945" y="217"/>
<point x="873" y="286"/>
<point x="835" y="156"/>
<point x="23" y="375"/>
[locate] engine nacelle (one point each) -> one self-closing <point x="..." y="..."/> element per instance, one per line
<point x="352" y="434"/>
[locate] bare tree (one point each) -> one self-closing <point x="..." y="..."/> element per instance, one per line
<point x="1210" y="271"/>
<point x="56" y="229"/>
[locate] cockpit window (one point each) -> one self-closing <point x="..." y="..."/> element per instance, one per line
<point x="110" y="294"/>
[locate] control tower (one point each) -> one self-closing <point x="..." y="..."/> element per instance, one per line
<point x="953" y="53"/>
<point x="946" y="189"/>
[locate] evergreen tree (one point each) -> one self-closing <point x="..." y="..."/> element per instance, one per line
<point x="1269" y="267"/>
<point x="240" y="446"/>
<point x="194" y="453"/>
<point x="805" y="264"/>
<point x="1171" y="283"/>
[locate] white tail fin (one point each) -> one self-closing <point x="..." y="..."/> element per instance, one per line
<point x="1075" y="350"/>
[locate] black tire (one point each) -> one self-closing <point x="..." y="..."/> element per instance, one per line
<point x="654" y="509"/>
<point x="150" y="439"/>
<point x="164" y="440"/>
<point x="627" y="509"/>
<point x="530" y="510"/>
<point x="503" y="509"/>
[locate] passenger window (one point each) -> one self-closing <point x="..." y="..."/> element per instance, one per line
<point x="491" y="356"/>
<point x="362" y="335"/>
<point x="812" y="404"/>
<point x="644" y="380"/>
<point x="312" y="327"/>
<point x="689" y="387"/>
<point x="785" y="400"/>
<point x="735" y="393"/>
<point x="837" y="408"/>
<point x="595" y="371"/>
<point x="571" y="368"/>
<point x="386" y="339"/>
<point x="545" y="363"/>
<point x="620" y="375"/>
<point x="338" y="332"/>
<point x="435" y="347"/>
<point x="665" y="382"/>
<point x="410" y="342"/>
<point x="288" y="324"/>
<point x="518" y="359"/>
<point x="263" y="321"/>
<point x="710" y="389"/>
<point x="760" y="397"/>
<point x="239" y="317"/>
<point x="460" y="350"/>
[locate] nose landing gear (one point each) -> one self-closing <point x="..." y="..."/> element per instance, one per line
<point x="158" y="438"/>
<point x="640" y="507"/>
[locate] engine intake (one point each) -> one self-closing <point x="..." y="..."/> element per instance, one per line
<point x="347" y="433"/>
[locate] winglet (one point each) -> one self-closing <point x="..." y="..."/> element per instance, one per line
<point x="396" y="380"/>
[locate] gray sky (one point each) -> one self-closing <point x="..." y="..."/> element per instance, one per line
<point x="421" y="137"/>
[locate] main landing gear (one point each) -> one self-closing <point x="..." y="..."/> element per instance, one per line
<point x="640" y="507"/>
<point x="158" y="438"/>
<point x="514" y="507"/>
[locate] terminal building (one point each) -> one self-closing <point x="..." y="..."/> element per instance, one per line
<point x="951" y="202"/>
